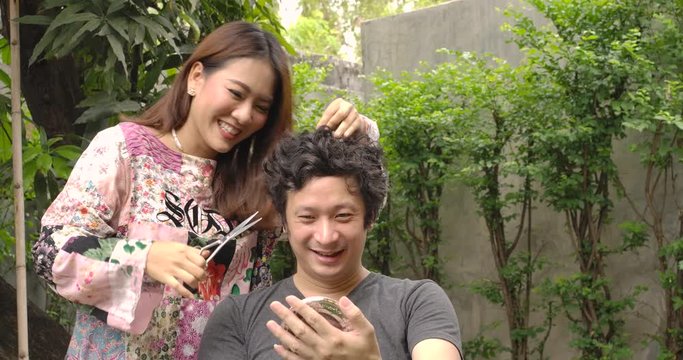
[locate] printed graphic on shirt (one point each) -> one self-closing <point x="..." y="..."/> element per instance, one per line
<point x="200" y="221"/>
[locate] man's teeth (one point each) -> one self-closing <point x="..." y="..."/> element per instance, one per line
<point x="226" y="127"/>
<point x="331" y="253"/>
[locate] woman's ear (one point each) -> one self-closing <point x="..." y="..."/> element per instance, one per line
<point x="195" y="79"/>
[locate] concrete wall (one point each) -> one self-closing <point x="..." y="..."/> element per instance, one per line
<point x="343" y="74"/>
<point x="399" y="43"/>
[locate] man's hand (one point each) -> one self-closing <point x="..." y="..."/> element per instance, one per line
<point x="315" y="338"/>
<point x="342" y="118"/>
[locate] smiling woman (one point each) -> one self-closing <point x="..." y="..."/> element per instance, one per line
<point x="230" y="104"/>
<point x="124" y="235"/>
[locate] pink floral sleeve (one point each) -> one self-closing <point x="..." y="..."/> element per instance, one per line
<point x="371" y="128"/>
<point x="82" y="251"/>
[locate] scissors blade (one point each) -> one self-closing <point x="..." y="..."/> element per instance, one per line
<point x="233" y="234"/>
<point x="238" y="228"/>
<point x="234" y="231"/>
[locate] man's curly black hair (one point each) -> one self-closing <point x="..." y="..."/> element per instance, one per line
<point x="300" y="158"/>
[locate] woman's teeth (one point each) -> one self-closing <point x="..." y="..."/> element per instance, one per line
<point x="226" y="127"/>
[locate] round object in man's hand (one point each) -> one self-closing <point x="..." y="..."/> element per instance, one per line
<point x="327" y="308"/>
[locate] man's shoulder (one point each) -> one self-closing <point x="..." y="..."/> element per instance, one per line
<point x="395" y="283"/>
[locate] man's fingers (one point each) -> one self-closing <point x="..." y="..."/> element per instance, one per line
<point x="319" y="325"/>
<point x="294" y="324"/>
<point x="291" y="346"/>
<point x="356" y="319"/>
<point x="285" y="353"/>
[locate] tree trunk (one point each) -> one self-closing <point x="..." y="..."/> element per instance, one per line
<point x="51" y="88"/>
<point x="46" y="338"/>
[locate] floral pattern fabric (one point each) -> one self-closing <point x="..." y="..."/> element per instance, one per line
<point x="126" y="191"/>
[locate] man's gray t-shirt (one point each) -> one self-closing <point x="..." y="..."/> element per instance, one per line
<point x="403" y="313"/>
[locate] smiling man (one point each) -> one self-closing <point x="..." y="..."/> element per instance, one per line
<point x="329" y="192"/>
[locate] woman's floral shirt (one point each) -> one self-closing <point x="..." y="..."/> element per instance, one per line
<point x="127" y="190"/>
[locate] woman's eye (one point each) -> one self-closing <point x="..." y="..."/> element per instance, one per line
<point x="236" y="94"/>
<point x="262" y="109"/>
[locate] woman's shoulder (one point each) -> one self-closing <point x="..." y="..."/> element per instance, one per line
<point x="132" y="130"/>
<point x="122" y="132"/>
<point x="144" y="141"/>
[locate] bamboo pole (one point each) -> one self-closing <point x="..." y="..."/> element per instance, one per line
<point x="17" y="167"/>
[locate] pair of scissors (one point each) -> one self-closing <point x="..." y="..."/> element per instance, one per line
<point x="236" y="231"/>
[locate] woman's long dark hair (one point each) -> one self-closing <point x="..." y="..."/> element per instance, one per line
<point x="238" y="184"/>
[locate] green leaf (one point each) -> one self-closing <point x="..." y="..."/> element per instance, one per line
<point x="61" y="168"/>
<point x="118" y="50"/>
<point x="30" y="153"/>
<point x="115" y="6"/>
<point x="6" y="51"/>
<point x="152" y="27"/>
<point x="196" y="32"/>
<point x="5" y="79"/>
<point x="167" y="24"/>
<point x="65" y="42"/>
<point x="139" y="33"/>
<point x="157" y="31"/>
<point x="152" y="75"/>
<point x="35" y="20"/>
<point x="68" y="16"/>
<point x="38" y="50"/>
<point x="119" y="25"/>
<point x="29" y="173"/>
<point x="69" y="152"/>
<point x="90" y="26"/>
<point x="679" y="124"/>
<point x="103" y="108"/>
<point x="51" y="4"/>
<point x="105" y="29"/>
<point x="44" y="163"/>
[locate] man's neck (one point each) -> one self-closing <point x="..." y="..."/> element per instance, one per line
<point x="315" y="287"/>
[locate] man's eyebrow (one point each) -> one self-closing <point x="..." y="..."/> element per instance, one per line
<point x="345" y="205"/>
<point x="248" y="89"/>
